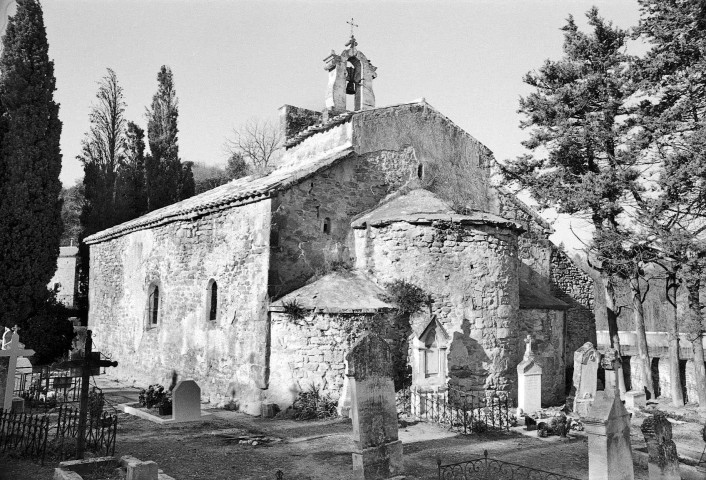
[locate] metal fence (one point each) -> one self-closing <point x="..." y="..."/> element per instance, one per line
<point x="32" y="435"/>
<point x="490" y="468"/>
<point x="24" y="433"/>
<point x="100" y="432"/>
<point x="460" y="411"/>
<point x="47" y="388"/>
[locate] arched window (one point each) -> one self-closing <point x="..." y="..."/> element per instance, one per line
<point x="327" y="226"/>
<point x="212" y="300"/>
<point x="420" y="171"/>
<point x="153" y="305"/>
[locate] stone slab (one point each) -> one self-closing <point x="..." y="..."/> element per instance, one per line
<point x="378" y="463"/>
<point x="88" y="465"/>
<point x="61" y="474"/>
<point x="688" y="472"/>
<point x="609" y="449"/>
<point x="142" y="471"/>
<point x="125" y="407"/>
<point x="635" y="400"/>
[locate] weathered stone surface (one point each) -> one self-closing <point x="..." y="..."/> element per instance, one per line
<point x="61" y="474"/>
<point x="663" y="459"/>
<point x="142" y="471"/>
<point x="227" y="356"/>
<point x="585" y="378"/>
<point x="529" y="382"/>
<point x="373" y="407"/>
<point x="609" y="451"/>
<point x="635" y="400"/>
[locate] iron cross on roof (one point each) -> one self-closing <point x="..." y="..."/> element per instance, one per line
<point x="352" y="43"/>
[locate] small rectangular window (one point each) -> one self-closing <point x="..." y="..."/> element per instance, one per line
<point x="431" y="362"/>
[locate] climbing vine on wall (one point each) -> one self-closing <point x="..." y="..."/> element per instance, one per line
<point x="408" y="297"/>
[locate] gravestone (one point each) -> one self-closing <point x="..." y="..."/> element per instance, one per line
<point x="611" y="363"/>
<point x="378" y="452"/>
<point x="186" y="401"/>
<point x="607" y="425"/>
<point x="663" y="463"/>
<point x="529" y="382"/>
<point x="11" y="350"/>
<point x="585" y="378"/>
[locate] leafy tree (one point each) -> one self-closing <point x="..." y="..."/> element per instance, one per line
<point x="236" y="167"/>
<point x="102" y="153"/>
<point x="168" y="181"/>
<point x="131" y="193"/>
<point x="258" y="142"/>
<point x="672" y="133"/>
<point x="72" y="203"/>
<point x="30" y="162"/>
<point x="578" y="165"/>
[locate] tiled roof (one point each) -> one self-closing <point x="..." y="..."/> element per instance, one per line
<point x="422" y="206"/>
<point x="237" y="192"/>
<point x="338" y="292"/>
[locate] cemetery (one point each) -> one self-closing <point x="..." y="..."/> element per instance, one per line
<point x="366" y="291"/>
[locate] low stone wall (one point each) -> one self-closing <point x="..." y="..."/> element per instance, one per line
<point x="311" y="351"/>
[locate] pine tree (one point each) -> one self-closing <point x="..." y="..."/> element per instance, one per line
<point x="30" y="162"/>
<point x="574" y="115"/>
<point x="672" y="132"/>
<point x="168" y="181"/>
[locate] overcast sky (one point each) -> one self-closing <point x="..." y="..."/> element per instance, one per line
<point x="233" y="60"/>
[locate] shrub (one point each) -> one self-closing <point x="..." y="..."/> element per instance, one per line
<point x="294" y="310"/>
<point x="409" y="298"/>
<point x="96" y="401"/>
<point x="153" y="396"/>
<point x="311" y="404"/>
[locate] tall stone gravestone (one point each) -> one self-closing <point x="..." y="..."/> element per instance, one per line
<point x="663" y="462"/>
<point x="607" y="425"/>
<point x="529" y="382"/>
<point x="373" y="410"/>
<point x="585" y="378"/>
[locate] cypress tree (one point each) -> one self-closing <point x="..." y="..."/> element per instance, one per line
<point x="30" y="163"/>
<point x="131" y="198"/>
<point x="168" y="181"/>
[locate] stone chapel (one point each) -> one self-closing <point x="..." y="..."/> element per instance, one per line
<point x="258" y="288"/>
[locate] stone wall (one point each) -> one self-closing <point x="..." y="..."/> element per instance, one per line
<point x="312" y="351"/>
<point x="295" y="119"/>
<point x="571" y="285"/>
<point x="456" y="166"/>
<point x="300" y="246"/>
<point x="547" y="328"/>
<point x="471" y="274"/>
<point x="226" y="356"/>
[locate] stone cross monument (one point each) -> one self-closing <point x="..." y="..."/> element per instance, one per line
<point x="529" y="382"/>
<point x="8" y="365"/>
<point x="373" y="410"/>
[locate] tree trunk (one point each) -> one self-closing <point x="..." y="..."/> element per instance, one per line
<point x="695" y="333"/>
<point x="673" y="335"/>
<point x="641" y="340"/>
<point x="612" y="317"/>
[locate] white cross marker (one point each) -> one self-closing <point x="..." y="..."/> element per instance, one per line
<point x="13" y="350"/>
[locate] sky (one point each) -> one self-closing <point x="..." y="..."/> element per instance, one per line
<point x="234" y="60"/>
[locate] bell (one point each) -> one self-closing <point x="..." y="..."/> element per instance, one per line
<point x="350" y="88"/>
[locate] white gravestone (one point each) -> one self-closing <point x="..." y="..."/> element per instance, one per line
<point x="607" y="425"/>
<point x="186" y="401"/>
<point x="529" y="382"/>
<point x="9" y="354"/>
<point x="585" y="378"/>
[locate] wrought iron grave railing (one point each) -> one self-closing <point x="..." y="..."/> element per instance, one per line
<point x="463" y="412"/>
<point x="493" y="469"/>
